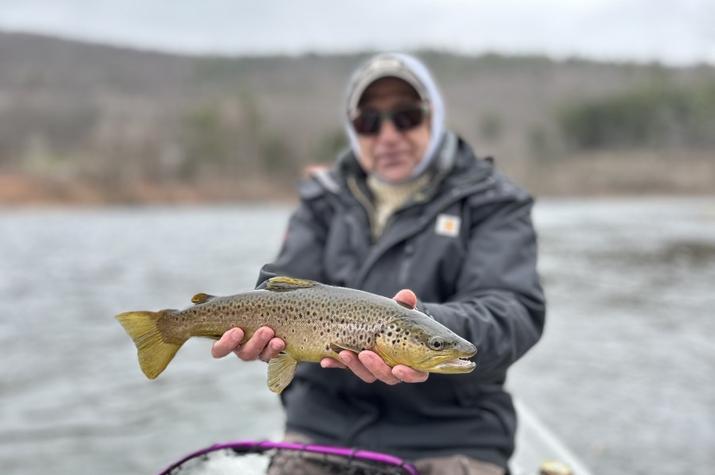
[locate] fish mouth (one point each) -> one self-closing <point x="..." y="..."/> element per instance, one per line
<point x="456" y="365"/>
<point x="456" y="362"/>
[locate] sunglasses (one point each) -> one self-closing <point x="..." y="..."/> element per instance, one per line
<point x="369" y="121"/>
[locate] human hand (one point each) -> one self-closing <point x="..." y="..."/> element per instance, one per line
<point x="262" y="345"/>
<point x="368" y="366"/>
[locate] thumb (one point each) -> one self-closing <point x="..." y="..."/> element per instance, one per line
<point x="406" y="297"/>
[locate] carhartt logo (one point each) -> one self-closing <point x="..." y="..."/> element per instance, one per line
<point x="447" y="225"/>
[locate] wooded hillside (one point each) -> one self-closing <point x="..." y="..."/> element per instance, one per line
<point x="84" y="122"/>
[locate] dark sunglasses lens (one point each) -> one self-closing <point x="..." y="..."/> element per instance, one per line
<point x="370" y="121"/>
<point x="408" y="118"/>
<point x="367" y="123"/>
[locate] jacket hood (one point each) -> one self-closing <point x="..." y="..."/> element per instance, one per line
<point x="415" y="73"/>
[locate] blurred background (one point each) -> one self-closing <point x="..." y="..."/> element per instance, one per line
<point x="150" y="151"/>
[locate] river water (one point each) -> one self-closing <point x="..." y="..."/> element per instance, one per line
<point x="624" y="374"/>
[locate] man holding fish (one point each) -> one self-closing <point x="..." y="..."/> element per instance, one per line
<point x="409" y="211"/>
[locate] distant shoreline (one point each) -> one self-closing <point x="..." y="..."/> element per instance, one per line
<point x="20" y="190"/>
<point x="560" y="179"/>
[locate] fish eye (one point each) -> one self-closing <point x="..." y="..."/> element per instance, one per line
<point x="436" y="343"/>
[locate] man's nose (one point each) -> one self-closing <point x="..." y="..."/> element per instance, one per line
<point x="388" y="131"/>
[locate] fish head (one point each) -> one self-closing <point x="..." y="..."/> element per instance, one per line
<point x="420" y="342"/>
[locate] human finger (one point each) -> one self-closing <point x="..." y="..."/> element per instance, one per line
<point x="228" y="342"/>
<point x="350" y="359"/>
<point x="406" y="297"/>
<point x="377" y="366"/>
<point x="409" y="375"/>
<point x="274" y="346"/>
<point x="255" y="345"/>
<point x="331" y="363"/>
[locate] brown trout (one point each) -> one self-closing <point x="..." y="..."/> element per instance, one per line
<point x="315" y="321"/>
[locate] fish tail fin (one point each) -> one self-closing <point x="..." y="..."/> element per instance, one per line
<point x="154" y="352"/>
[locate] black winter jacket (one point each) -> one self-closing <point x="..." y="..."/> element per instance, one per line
<point x="476" y="275"/>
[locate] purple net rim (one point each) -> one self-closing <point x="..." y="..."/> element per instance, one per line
<point x="260" y="446"/>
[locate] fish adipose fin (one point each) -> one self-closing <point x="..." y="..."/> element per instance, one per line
<point x="201" y="298"/>
<point x="154" y="352"/>
<point x="281" y="370"/>
<point x="283" y="284"/>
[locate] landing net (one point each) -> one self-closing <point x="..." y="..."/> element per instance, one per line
<point x="284" y="458"/>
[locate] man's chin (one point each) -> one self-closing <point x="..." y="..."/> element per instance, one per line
<point x="394" y="173"/>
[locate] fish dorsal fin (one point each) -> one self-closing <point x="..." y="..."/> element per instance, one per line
<point x="201" y="298"/>
<point x="281" y="370"/>
<point x="284" y="284"/>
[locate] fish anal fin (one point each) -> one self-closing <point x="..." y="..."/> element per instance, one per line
<point x="285" y="283"/>
<point x="281" y="370"/>
<point x="201" y="298"/>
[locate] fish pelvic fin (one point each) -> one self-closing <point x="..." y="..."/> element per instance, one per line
<point x="338" y="347"/>
<point x="284" y="283"/>
<point x="153" y="350"/>
<point x="281" y="370"/>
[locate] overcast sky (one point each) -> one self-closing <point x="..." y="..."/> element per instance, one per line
<point x="670" y="31"/>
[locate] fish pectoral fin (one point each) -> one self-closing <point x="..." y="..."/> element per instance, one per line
<point x="281" y="370"/>
<point x="285" y="283"/>
<point x="338" y="347"/>
<point x="201" y="298"/>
